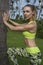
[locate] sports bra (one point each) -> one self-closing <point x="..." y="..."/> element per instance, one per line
<point x="28" y="34"/>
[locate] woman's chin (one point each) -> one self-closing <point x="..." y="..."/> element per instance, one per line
<point x="26" y="18"/>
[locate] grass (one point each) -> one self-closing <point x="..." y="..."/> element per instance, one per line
<point x="15" y="39"/>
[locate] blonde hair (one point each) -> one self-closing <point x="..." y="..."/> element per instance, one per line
<point x="33" y="8"/>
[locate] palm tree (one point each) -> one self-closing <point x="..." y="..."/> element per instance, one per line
<point x="3" y="31"/>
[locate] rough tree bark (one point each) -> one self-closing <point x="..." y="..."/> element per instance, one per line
<point x="4" y="5"/>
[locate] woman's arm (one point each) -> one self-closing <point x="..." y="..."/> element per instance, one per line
<point x="13" y="22"/>
<point x="19" y="27"/>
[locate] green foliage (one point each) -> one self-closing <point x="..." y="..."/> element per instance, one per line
<point x="39" y="29"/>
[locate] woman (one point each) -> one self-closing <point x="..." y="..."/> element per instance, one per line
<point x="29" y="31"/>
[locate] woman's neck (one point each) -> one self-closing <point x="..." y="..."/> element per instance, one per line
<point x="29" y="20"/>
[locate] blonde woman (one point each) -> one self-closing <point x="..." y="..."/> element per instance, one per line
<point x="29" y="31"/>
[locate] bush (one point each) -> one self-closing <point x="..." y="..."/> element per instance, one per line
<point x="39" y="29"/>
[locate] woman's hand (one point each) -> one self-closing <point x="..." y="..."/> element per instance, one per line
<point x="5" y="17"/>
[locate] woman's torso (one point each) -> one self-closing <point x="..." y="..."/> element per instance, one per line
<point x="30" y="36"/>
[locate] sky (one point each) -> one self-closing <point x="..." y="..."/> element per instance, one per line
<point x="22" y="3"/>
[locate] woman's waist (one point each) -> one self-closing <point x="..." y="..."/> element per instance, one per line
<point x="30" y="45"/>
<point x="30" y="42"/>
<point x="33" y="50"/>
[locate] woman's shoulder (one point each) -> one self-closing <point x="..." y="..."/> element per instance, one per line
<point x="31" y="22"/>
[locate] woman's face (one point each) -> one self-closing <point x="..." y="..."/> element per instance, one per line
<point x="27" y="12"/>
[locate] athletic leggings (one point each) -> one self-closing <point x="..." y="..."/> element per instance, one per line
<point x="35" y="59"/>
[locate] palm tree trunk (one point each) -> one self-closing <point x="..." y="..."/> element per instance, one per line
<point x="3" y="31"/>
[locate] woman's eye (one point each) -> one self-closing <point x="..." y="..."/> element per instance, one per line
<point x="26" y="11"/>
<point x="23" y="11"/>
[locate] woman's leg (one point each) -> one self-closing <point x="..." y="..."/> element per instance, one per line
<point x="34" y="55"/>
<point x="35" y="59"/>
<point x="12" y="52"/>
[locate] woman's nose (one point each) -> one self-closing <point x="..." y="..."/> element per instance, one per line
<point x="25" y="13"/>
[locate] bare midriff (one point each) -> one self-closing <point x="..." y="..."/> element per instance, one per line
<point x="30" y="42"/>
